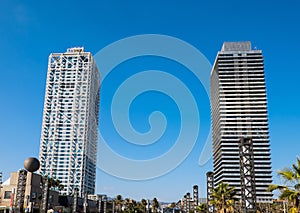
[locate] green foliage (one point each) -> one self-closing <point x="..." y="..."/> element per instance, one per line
<point x="293" y="210"/>
<point x="202" y="207"/>
<point x="290" y="191"/>
<point x="173" y="205"/>
<point x="223" y="198"/>
<point x="119" y="198"/>
<point x="130" y="206"/>
<point x="155" y="204"/>
<point x="53" y="184"/>
<point x="119" y="203"/>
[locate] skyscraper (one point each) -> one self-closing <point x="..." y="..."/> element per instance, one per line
<point x="68" y="147"/>
<point x="239" y="110"/>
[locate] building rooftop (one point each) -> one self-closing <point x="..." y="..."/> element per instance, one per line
<point x="75" y="49"/>
<point x="236" y="46"/>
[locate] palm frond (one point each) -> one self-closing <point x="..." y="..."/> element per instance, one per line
<point x="296" y="171"/>
<point x="290" y="192"/>
<point x="298" y="162"/>
<point x="286" y="174"/>
<point x="273" y="187"/>
<point x="293" y="210"/>
<point x="297" y="187"/>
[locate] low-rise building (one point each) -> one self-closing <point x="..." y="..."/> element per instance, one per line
<point x="30" y="197"/>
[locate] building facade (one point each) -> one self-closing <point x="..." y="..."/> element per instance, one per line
<point x="239" y="110"/>
<point x="68" y="147"/>
<point x="30" y="197"/>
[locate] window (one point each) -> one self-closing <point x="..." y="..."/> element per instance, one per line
<point x="7" y="194"/>
<point x="33" y="195"/>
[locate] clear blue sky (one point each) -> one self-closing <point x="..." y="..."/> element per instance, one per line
<point x="31" y="30"/>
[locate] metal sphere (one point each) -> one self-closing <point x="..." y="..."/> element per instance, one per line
<point x="31" y="164"/>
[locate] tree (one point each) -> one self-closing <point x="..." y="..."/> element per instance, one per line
<point x="119" y="202"/>
<point x="223" y="198"/>
<point x="173" y="205"/>
<point x="47" y="184"/>
<point x="291" y="190"/>
<point x="155" y="204"/>
<point x="202" y="207"/>
<point x="57" y="185"/>
<point x="144" y="204"/>
<point x="53" y="184"/>
<point x="139" y="207"/>
<point x="132" y="206"/>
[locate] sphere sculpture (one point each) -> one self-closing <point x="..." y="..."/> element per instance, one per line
<point x="31" y="164"/>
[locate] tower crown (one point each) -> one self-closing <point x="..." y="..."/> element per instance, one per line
<point x="236" y="46"/>
<point x="75" y="50"/>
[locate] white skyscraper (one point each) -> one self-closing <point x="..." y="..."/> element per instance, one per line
<point x="68" y="148"/>
<point x="239" y="110"/>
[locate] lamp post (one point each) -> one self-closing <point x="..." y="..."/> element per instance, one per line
<point x="104" y="204"/>
<point x="85" y="202"/>
<point x="113" y="206"/>
<point x="75" y="200"/>
<point x="100" y="204"/>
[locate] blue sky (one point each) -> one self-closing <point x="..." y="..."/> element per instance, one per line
<point x="31" y="30"/>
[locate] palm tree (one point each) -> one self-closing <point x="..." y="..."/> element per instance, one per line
<point x="202" y="207"/>
<point x="130" y="205"/>
<point x="57" y="185"/>
<point x="223" y="198"/>
<point x="144" y="204"/>
<point x="139" y="208"/>
<point x="126" y="203"/>
<point x="119" y="202"/>
<point x="155" y="204"/>
<point x="291" y="190"/>
<point x="172" y="205"/>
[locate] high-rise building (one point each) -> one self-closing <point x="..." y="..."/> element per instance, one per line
<point x="239" y="110"/>
<point x="68" y="148"/>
